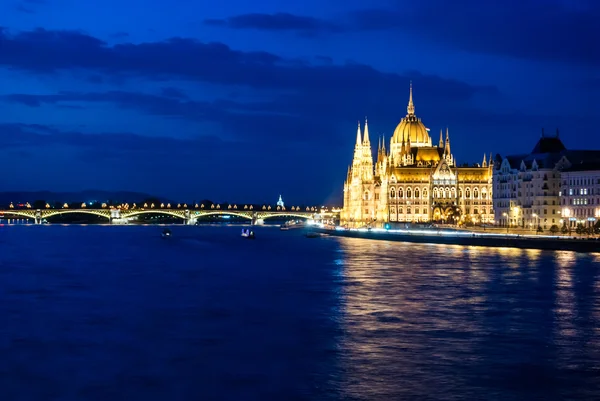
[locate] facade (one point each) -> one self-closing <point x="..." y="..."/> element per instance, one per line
<point x="414" y="181"/>
<point x="580" y="194"/>
<point x="529" y="188"/>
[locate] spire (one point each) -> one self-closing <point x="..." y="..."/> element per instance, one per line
<point x="491" y="160"/>
<point x="484" y="164"/>
<point x="411" y="107"/>
<point x="358" y="141"/>
<point x="447" y="149"/>
<point x="383" y="143"/>
<point x="441" y="144"/>
<point x="366" y="133"/>
<point x="378" y="144"/>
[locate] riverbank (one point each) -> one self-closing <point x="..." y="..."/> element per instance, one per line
<point x="553" y="243"/>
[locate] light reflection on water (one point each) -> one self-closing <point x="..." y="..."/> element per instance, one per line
<point x="453" y="322"/>
<point x="117" y="313"/>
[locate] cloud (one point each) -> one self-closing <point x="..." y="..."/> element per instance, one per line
<point x="29" y="6"/>
<point x="278" y="22"/>
<point x="552" y="30"/>
<point x="526" y="29"/>
<point x="43" y="51"/>
<point x="180" y="168"/>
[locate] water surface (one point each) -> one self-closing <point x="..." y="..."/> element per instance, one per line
<point x="118" y="313"/>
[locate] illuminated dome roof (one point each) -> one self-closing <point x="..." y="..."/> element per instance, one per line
<point x="411" y="127"/>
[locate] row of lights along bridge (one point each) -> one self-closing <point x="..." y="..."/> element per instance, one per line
<point x="126" y="206"/>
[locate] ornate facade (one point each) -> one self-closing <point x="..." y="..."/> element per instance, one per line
<point x="549" y="186"/>
<point x="415" y="181"/>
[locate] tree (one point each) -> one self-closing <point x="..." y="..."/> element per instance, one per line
<point x="564" y="229"/>
<point x="540" y="229"/>
<point x="597" y="227"/>
<point x="554" y="229"/>
<point x="580" y="229"/>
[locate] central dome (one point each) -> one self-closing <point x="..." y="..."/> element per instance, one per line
<point x="411" y="127"/>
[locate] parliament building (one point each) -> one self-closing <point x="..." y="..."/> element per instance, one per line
<point x="414" y="180"/>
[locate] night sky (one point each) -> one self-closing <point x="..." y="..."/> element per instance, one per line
<point x="241" y="101"/>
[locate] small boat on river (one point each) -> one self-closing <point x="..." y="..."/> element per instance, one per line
<point x="247" y="233"/>
<point x="166" y="233"/>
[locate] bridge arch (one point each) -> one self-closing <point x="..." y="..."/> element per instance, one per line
<point x="193" y="215"/>
<point x="46" y="214"/>
<point x="20" y="213"/>
<point x="173" y="213"/>
<point x="284" y="214"/>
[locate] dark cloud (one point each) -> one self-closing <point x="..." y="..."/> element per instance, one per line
<point x="44" y="51"/>
<point x="29" y="6"/>
<point x="181" y="168"/>
<point x="528" y="29"/>
<point x="277" y="22"/>
<point x="553" y="30"/>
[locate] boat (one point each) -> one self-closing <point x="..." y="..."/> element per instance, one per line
<point x="247" y="233"/>
<point x="166" y="233"/>
<point x="284" y="228"/>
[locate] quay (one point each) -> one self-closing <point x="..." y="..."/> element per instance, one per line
<point x="468" y="238"/>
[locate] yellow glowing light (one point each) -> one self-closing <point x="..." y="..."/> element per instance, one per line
<point x="83" y="205"/>
<point x="47" y="206"/>
<point x="103" y="205"/>
<point x="65" y="206"/>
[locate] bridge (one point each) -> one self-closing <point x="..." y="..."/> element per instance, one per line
<point x="124" y="213"/>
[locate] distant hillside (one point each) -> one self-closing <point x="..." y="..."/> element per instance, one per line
<point x="83" y="196"/>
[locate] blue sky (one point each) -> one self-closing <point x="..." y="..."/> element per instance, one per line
<point x="240" y="101"/>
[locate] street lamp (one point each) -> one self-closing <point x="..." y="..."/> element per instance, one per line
<point x="538" y="221"/>
<point x="506" y="217"/>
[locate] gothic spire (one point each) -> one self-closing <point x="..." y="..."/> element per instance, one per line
<point x="358" y="140"/>
<point x="411" y="107"/>
<point x="447" y="148"/>
<point x="366" y="133"/>
<point x="484" y="164"/>
<point x="441" y="144"/>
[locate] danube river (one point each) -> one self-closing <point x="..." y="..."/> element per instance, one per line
<point x="118" y="313"/>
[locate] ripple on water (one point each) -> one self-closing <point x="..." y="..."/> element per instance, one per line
<point x="117" y="313"/>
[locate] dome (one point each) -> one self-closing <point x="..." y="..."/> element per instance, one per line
<point x="411" y="127"/>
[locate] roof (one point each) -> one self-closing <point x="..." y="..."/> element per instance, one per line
<point x="549" y="159"/>
<point x="549" y="145"/>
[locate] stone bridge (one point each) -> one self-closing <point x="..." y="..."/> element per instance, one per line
<point x="114" y="215"/>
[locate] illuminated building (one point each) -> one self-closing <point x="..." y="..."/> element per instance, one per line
<point x="528" y="187"/>
<point x="580" y="194"/>
<point x="414" y="181"/>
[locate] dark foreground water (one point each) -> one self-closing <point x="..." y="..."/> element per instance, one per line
<point x="117" y="313"/>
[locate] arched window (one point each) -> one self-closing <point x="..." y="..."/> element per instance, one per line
<point x="436" y="194"/>
<point x="425" y="193"/>
<point x="468" y="193"/>
<point x="460" y="193"/>
<point x="366" y="195"/>
<point x="475" y="193"/>
<point x="400" y="193"/>
<point x="453" y="193"/>
<point x="416" y="193"/>
<point x="484" y="193"/>
<point x="408" y="193"/>
<point x="393" y="193"/>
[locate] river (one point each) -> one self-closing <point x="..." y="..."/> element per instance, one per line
<point x="118" y="313"/>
